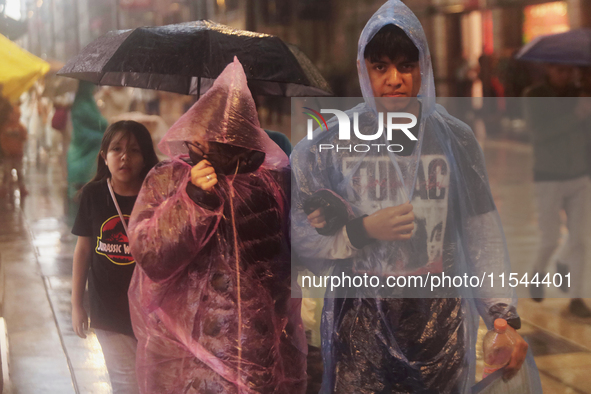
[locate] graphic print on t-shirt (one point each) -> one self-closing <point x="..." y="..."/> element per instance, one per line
<point x="430" y="204"/>
<point x="113" y="243"/>
<point x="375" y="185"/>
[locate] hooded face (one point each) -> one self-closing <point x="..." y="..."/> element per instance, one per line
<point x="394" y="81"/>
<point x="396" y="75"/>
<point x="226" y="159"/>
<point x="223" y="127"/>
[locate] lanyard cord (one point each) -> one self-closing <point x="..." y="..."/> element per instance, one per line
<point x="117" y="206"/>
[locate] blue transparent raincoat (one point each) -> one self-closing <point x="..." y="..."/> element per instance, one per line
<point x="404" y="342"/>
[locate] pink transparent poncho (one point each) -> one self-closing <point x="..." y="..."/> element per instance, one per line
<point x="210" y="299"/>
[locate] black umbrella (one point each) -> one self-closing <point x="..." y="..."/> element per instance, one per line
<point x="186" y="58"/>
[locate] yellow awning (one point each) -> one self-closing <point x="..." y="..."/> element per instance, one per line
<point x="19" y="69"/>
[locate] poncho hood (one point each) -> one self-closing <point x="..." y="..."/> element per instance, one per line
<point x="225" y="114"/>
<point x="396" y="13"/>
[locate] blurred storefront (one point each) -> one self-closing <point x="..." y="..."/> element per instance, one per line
<point x="467" y="37"/>
<point x="58" y="29"/>
<point x="482" y="36"/>
<point x="547" y="18"/>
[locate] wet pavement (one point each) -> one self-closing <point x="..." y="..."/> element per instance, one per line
<point x="36" y="250"/>
<point x="45" y="354"/>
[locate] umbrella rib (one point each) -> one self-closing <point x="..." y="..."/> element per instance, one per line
<point x="111" y="61"/>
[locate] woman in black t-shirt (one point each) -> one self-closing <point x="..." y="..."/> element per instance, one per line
<point x="125" y="158"/>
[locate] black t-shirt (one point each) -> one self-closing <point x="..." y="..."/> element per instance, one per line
<point x="112" y="264"/>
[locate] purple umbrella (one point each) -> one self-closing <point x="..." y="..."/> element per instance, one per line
<point x="572" y="47"/>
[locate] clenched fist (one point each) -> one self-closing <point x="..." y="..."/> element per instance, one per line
<point x="391" y="224"/>
<point x="203" y="175"/>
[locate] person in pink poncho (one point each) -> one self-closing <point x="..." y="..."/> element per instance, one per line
<point x="210" y="298"/>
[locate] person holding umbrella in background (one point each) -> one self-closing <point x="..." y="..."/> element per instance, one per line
<point x="560" y="131"/>
<point x="560" y="126"/>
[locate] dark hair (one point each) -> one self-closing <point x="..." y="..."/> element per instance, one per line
<point x="392" y="42"/>
<point x="122" y="129"/>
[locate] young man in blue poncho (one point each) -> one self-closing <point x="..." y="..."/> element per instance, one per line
<point x="421" y="211"/>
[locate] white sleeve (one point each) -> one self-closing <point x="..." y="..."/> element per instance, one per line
<point x="341" y="247"/>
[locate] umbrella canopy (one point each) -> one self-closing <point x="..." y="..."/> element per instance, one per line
<point x="572" y="47"/>
<point x="19" y="69"/>
<point x="186" y="58"/>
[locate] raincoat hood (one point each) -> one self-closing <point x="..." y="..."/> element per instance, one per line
<point x="225" y="114"/>
<point x="396" y="13"/>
